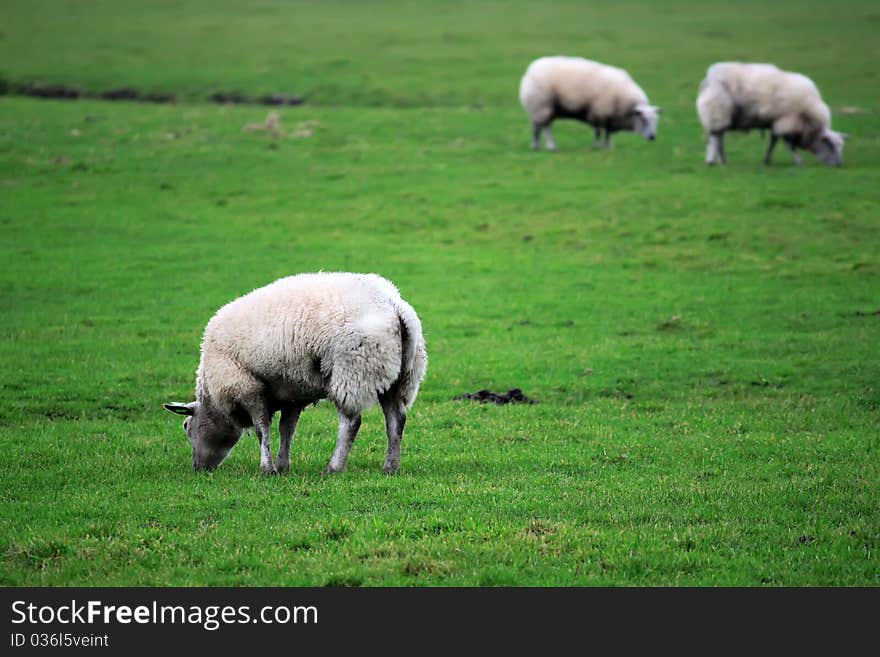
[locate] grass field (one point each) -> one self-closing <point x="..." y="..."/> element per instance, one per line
<point x="703" y="342"/>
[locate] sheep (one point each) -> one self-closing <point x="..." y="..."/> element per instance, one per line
<point x="347" y="337"/>
<point x="603" y="96"/>
<point x="738" y="96"/>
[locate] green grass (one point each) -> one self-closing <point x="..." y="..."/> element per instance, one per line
<point x="700" y="340"/>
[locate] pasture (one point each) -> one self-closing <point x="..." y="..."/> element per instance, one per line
<point x="702" y="342"/>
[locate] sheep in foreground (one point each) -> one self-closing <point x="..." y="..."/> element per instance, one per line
<point x="737" y="96"/>
<point x="603" y="96"/>
<point x="346" y="337"/>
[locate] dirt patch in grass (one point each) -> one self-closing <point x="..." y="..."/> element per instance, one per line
<point x="671" y="324"/>
<point x="238" y="98"/>
<point x="122" y="93"/>
<point x="512" y="396"/>
<point x="58" y="91"/>
<point x="73" y="92"/>
<point x="281" y="99"/>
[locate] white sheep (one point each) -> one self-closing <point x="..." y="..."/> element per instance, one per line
<point x="604" y="96"/>
<point x="343" y="336"/>
<point x="737" y="96"/>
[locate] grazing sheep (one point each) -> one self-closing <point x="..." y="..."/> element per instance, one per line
<point x="736" y="96"/>
<point x="346" y="337"/>
<point x="575" y="88"/>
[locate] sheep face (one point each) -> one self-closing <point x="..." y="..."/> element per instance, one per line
<point x="210" y="437"/>
<point x="645" y="119"/>
<point x="828" y="147"/>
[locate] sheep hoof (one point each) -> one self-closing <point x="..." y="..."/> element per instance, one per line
<point x="390" y="469"/>
<point x="282" y="467"/>
<point x="329" y="471"/>
<point x="268" y="469"/>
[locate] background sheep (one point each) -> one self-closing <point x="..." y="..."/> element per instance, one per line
<point x="736" y="96"/>
<point x="346" y="337"/>
<point x="575" y="88"/>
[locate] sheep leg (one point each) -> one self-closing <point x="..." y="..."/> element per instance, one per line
<point x="712" y="149"/>
<point x="262" y="424"/>
<point x="602" y="143"/>
<point x="286" y="427"/>
<point x="797" y="158"/>
<point x="715" y="149"/>
<point x="395" y="421"/>
<point x="548" y="138"/>
<point x="348" y="428"/>
<point x="770" y="147"/>
<point x="536" y="136"/>
<point x="721" y="152"/>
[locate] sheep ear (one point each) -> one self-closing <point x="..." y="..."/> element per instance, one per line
<point x="181" y="409"/>
<point x="843" y="136"/>
<point x="658" y="109"/>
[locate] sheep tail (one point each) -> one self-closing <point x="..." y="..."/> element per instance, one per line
<point x="413" y="358"/>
